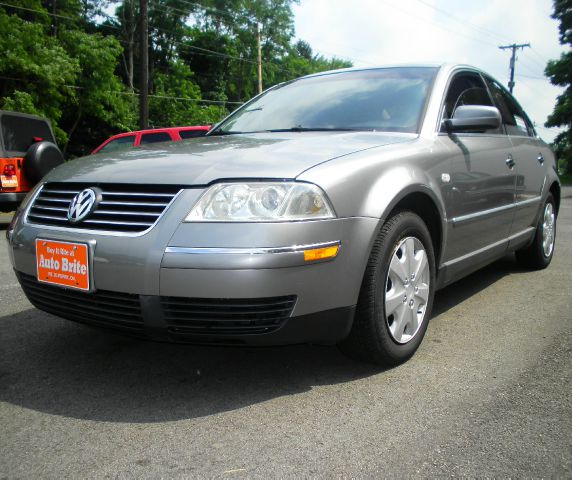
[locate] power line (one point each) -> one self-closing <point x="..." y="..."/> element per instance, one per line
<point x="532" y="77"/>
<point x="408" y="13"/>
<point x="204" y="51"/>
<point x="117" y="92"/>
<point x="465" y="22"/>
<point x="57" y="15"/>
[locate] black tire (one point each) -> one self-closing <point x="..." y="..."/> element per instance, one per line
<point x="534" y="256"/>
<point x="370" y="339"/>
<point x="40" y="159"/>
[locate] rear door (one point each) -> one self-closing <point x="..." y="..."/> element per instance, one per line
<point x="528" y="154"/>
<point x="481" y="199"/>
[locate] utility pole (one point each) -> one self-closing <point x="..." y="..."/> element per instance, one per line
<point x="513" y="47"/>
<point x="144" y="88"/>
<point x="259" y="60"/>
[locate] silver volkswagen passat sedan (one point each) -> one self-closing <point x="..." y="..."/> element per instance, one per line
<point x="328" y="209"/>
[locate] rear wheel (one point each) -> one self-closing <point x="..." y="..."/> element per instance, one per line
<point x="539" y="253"/>
<point x="396" y="295"/>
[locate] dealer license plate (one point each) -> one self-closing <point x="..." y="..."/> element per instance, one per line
<point x="63" y="263"/>
<point x="9" y="181"/>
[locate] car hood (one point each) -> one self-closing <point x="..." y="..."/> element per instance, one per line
<point x="203" y="160"/>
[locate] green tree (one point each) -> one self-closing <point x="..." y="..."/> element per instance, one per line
<point x="98" y="94"/>
<point x="176" y="100"/>
<point x="35" y="70"/>
<point x="560" y="73"/>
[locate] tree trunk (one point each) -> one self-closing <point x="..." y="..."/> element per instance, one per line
<point x="72" y="129"/>
<point x="132" y="27"/>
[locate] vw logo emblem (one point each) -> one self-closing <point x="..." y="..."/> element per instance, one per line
<point x="82" y="205"/>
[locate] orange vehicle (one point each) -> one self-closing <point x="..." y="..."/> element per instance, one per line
<point x="28" y="151"/>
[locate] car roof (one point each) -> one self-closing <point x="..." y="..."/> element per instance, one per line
<point x="439" y="65"/>
<point x="24" y="115"/>
<point x="164" y="129"/>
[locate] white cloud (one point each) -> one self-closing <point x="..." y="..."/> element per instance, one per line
<point x="377" y="32"/>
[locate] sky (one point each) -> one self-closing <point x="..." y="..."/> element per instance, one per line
<point x="378" y="32"/>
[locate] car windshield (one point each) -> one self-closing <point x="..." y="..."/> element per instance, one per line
<point x="118" y="144"/>
<point x="387" y="99"/>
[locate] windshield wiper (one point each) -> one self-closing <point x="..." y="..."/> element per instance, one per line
<point x="220" y="132"/>
<point x="291" y="129"/>
<point x="299" y="128"/>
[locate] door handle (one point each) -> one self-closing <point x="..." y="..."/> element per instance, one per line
<point x="510" y="161"/>
<point x="540" y="158"/>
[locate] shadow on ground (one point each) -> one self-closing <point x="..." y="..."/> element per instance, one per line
<point x="5" y="220"/>
<point x="58" y="367"/>
<point x="467" y="287"/>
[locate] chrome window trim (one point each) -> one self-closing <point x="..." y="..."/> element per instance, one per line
<point x="109" y="233"/>
<point x="491" y="211"/>
<point x="248" y="251"/>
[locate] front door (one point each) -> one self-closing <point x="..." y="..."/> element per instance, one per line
<point x="481" y="198"/>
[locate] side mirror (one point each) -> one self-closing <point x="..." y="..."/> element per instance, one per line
<point x="473" y="118"/>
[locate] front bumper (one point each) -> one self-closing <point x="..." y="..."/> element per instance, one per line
<point x="163" y="319"/>
<point x="214" y="261"/>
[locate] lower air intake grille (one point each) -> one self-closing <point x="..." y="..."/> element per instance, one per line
<point x="208" y="316"/>
<point x="120" y="311"/>
<point x="120" y="208"/>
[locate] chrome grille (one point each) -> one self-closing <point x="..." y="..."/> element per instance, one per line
<point x="123" y="208"/>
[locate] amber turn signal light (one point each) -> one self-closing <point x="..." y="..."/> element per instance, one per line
<point x="321" y="253"/>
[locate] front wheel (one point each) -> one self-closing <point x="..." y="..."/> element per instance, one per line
<point x="396" y="295"/>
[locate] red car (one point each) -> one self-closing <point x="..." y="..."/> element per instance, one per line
<point x="141" y="137"/>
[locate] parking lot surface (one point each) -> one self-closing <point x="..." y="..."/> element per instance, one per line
<point x="487" y="394"/>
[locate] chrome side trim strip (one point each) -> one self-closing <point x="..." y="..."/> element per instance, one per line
<point x="488" y="247"/>
<point x="528" y="201"/>
<point x="491" y="211"/>
<point x="248" y="251"/>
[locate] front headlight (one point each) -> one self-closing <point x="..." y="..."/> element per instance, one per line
<point x="261" y="202"/>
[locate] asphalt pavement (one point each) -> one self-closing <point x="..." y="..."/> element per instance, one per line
<point x="488" y="394"/>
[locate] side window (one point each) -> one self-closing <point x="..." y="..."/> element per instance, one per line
<point x="513" y="117"/>
<point x="154" y="137"/>
<point x="466" y="88"/>
<point x="192" y="133"/>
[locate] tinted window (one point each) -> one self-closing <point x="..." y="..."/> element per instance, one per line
<point x="192" y="133"/>
<point x="19" y="133"/>
<point x="513" y="117"/>
<point x="389" y="99"/>
<point x="466" y="89"/>
<point x="118" y="143"/>
<point x="155" y="137"/>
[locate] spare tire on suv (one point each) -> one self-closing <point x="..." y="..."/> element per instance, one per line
<point x="40" y="158"/>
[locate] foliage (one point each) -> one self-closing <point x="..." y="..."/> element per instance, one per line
<point x="77" y="64"/>
<point x="97" y="93"/>
<point x="174" y="100"/>
<point x="34" y="70"/>
<point x="560" y="73"/>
